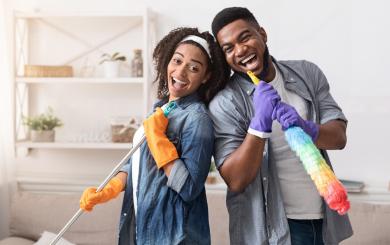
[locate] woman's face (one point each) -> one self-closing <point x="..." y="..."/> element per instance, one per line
<point x="186" y="71"/>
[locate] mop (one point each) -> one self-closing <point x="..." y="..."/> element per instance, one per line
<point x="167" y="109"/>
<point x="327" y="184"/>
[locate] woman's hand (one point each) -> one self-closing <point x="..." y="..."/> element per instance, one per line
<point x="162" y="150"/>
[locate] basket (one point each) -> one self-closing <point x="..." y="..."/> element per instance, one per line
<point x="122" y="133"/>
<point x="47" y="71"/>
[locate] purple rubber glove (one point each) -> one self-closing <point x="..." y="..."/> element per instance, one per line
<point x="265" y="98"/>
<point x="287" y="116"/>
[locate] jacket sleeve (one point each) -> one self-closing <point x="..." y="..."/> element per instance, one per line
<point x="327" y="106"/>
<point x="189" y="172"/>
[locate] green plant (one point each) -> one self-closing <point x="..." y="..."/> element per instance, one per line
<point x="114" y="57"/>
<point x="212" y="166"/>
<point x="44" y="121"/>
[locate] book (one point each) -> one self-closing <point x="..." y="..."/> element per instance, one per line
<point x="352" y="186"/>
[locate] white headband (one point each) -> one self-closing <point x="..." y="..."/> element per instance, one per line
<point x="202" y="42"/>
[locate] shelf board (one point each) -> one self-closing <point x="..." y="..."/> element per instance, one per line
<point x="73" y="145"/>
<point x="136" y="12"/>
<point x="102" y="80"/>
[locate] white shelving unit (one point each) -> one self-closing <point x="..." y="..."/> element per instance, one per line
<point x="78" y="39"/>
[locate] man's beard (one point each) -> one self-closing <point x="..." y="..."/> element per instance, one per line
<point x="264" y="72"/>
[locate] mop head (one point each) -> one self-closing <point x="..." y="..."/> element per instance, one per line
<point x="47" y="237"/>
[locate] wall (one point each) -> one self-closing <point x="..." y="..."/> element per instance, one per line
<point x="347" y="39"/>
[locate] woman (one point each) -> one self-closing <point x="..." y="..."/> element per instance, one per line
<point x="165" y="199"/>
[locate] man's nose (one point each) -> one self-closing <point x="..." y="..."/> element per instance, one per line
<point x="240" y="49"/>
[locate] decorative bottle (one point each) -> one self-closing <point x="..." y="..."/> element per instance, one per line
<point x="137" y="64"/>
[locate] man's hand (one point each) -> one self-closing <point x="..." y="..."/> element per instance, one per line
<point x="265" y="98"/>
<point x="90" y="197"/>
<point x="287" y="116"/>
<point x="162" y="150"/>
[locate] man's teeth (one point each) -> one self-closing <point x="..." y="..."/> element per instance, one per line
<point x="247" y="59"/>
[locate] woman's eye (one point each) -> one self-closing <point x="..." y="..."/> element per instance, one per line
<point x="194" y="68"/>
<point x="176" y="61"/>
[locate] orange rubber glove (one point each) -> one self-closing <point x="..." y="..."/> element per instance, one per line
<point x="90" y="197"/>
<point x="163" y="150"/>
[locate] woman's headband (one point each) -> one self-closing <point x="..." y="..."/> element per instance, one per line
<point x="201" y="41"/>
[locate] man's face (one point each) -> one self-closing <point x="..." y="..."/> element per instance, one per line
<point x="243" y="44"/>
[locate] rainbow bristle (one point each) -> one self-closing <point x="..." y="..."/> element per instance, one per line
<point x="329" y="187"/>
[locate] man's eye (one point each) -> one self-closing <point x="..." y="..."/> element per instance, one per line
<point x="245" y="38"/>
<point x="227" y="50"/>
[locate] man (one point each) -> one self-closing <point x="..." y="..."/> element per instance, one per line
<point x="271" y="199"/>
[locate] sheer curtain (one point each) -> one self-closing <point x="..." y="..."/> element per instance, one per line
<point x="6" y="148"/>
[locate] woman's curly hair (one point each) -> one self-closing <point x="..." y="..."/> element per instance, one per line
<point x="218" y="67"/>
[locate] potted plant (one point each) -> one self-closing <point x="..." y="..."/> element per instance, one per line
<point x="111" y="64"/>
<point x="42" y="126"/>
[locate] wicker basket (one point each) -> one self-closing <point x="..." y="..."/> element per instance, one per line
<point x="122" y="134"/>
<point x="47" y="71"/>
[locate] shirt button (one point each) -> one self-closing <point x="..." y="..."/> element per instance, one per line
<point x="291" y="79"/>
<point x="265" y="178"/>
<point x="124" y="214"/>
<point x="248" y="92"/>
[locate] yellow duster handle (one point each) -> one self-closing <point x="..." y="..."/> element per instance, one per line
<point x="253" y="77"/>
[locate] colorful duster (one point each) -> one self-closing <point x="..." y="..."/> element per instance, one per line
<point x="329" y="187"/>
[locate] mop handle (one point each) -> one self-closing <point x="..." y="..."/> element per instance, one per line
<point x="170" y="106"/>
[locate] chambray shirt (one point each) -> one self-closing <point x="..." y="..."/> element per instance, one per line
<point x="172" y="210"/>
<point x="257" y="216"/>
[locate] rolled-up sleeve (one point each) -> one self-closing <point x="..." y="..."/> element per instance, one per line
<point x="126" y="168"/>
<point x="189" y="173"/>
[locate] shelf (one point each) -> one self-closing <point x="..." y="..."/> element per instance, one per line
<point x="102" y="80"/>
<point x="72" y="145"/>
<point x="136" y="12"/>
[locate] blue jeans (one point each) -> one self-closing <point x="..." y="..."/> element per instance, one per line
<point x="306" y="232"/>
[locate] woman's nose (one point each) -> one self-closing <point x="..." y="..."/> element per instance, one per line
<point x="181" y="70"/>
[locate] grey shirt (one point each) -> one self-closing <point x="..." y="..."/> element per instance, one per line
<point x="256" y="216"/>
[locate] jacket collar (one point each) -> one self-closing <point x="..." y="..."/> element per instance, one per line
<point x="181" y="102"/>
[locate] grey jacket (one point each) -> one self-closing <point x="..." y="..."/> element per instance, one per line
<point x="256" y="216"/>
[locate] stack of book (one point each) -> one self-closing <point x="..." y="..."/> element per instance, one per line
<point x="353" y="186"/>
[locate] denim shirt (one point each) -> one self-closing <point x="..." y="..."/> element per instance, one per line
<point x="257" y="216"/>
<point x="172" y="210"/>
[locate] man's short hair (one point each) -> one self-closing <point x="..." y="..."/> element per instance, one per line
<point x="228" y="15"/>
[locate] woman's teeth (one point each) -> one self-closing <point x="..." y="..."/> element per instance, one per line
<point x="177" y="83"/>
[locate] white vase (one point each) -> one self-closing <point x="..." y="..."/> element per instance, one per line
<point x="111" y="69"/>
<point x="42" y="135"/>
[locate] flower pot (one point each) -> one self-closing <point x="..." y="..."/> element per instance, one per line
<point x="111" y="69"/>
<point x="212" y="178"/>
<point x="42" y="135"/>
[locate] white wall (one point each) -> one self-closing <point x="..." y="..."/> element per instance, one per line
<point x="347" y="39"/>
